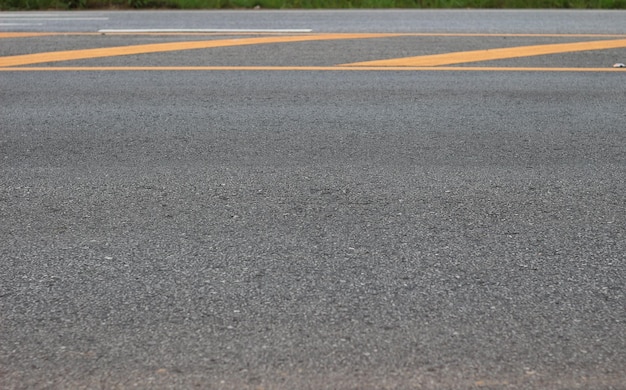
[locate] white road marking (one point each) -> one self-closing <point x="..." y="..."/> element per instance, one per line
<point x="21" y="24"/>
<point x="202" y="30"/>
<point x="25" y="15"/>
<point x="49" y="19"/>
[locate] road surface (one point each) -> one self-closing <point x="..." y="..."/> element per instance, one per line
<point x="336" y="199"/>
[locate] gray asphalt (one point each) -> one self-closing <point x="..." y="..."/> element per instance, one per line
<point x="308" y="230"/>
<point x="428" y="21"/>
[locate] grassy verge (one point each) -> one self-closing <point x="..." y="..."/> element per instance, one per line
<point x="306" y="4"/>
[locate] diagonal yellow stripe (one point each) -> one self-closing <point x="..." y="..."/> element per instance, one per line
<point x="39" y="58"/>
<point x="494" y="54"/>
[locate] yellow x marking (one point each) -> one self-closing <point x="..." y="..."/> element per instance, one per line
<point x="426" y="62"/>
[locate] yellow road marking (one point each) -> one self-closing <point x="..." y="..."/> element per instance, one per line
<point x="304" y="68"/>
<point x="24" y="34"/>
<point x="168" y="33"/>
<point x="427" y="62"/>
<point x="38" y="58"/>
<point x="494" y="54"/>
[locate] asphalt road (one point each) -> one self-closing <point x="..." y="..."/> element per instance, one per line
<point x="428" y="21"/>
<point x="310" y="229"/>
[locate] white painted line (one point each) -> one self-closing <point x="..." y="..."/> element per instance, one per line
<point x="42" y="18"/>
<point x="201" y="30"/>
<point x="21" y="24"/>
<point x="25" y="15"/>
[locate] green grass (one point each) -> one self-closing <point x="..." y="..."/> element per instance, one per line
<point x="305" y="4"/>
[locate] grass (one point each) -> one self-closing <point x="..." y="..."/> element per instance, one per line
<point x="305" y="4"/>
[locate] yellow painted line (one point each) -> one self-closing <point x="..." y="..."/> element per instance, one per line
<point x="24" y="34"/>
<point x="39" y="58"/>
<point x="495" y="54"/>
<point x="513" y="35"/>
<point x="304" y="68"/>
